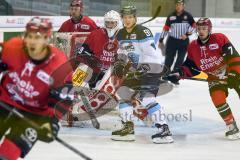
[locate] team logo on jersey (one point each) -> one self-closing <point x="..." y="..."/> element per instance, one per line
<point x="213" y="46"/>
<point x="28" y="69"/>
<point x="133" y="36"/>
<point x="111" y="46"/>
<point x="203" y="51"/>
<point x="44" y="77"/>
<point x="185" y="17"/>
<point x="128" y="47"/>
<point x="85" y="26"/>
<point x="172" y="18"/>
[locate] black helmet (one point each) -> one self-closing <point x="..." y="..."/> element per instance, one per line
<point x="179" y="1"/>
<point x="128" y="10"/>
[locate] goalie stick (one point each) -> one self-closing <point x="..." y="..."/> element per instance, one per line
<point x="154" y="16"/>
<point x="89" y="110"/>
<point x="35" y="125"/>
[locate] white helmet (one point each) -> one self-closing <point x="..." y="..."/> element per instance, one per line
<point x="112" y="16"/>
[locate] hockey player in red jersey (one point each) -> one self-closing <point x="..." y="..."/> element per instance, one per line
<point x="25" y="86"/>
<point x="78" y="22"/>
<point x="215" y="55"/>
<point x="101" y="45"/>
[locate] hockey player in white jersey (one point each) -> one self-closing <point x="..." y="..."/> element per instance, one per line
<point x="136" y="45"/>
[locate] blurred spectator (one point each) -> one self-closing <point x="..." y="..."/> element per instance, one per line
<point x="5" y="8"/>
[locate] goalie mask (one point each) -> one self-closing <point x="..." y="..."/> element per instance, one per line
<point x="112" y="22"/>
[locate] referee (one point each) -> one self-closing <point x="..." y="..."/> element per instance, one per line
<point x="179" y="25"/>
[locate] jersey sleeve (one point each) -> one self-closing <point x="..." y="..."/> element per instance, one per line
<point x="189" y="67"/>
<point x="85" y="49"/>
<point x="94" y="26"/>
<point x="165" y="30"/>
<point x="192" y="23"/>
<point x="229" y="53"/>
<point x="148" y="48"/>
<point x="63" y="27"/>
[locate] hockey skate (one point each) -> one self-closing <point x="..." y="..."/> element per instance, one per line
<point x="233" y="132"/>
<point x="126" y="133"/>
<point x="163" y="135"/>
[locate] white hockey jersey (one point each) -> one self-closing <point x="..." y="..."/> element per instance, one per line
<point x="139" y="47"/>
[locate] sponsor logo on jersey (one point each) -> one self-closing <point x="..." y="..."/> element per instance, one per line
<point x="44" y="77"/>
<point x="31" y="134"/>
<point x="22" y="86"/>
<point x="85" y="27"/>
<point x="213" y="46"/>
<point x="79" y="76"/>
<point x="211" y="62"/>
<point x="172" y="18"/>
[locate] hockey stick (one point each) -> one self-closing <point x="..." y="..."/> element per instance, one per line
<point x="89" y="110"/>
<point x="35" y="125"/>
<point x="222" y="81"/>
<point x="154" y="16"/>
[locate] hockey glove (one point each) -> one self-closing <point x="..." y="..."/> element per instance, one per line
<point x="49" y="130"/>
<point x="174" y="77"/>
<point x="233" y="79"/>
<point x="119" y="69"/>
<point x="63" y="93"/>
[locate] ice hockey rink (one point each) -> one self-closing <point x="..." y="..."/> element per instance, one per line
<point x="198" y="134"/>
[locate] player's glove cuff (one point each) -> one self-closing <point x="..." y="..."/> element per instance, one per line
<point x="233" y="79"/>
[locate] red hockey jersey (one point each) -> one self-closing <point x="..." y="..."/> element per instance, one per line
<point x="86" y="24"/>
<point x="102" y="47"/>
<point x="26" y="86"/>
<point x="213" y="57"/>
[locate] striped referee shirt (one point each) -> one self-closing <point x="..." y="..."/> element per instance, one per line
<point x="176" y="26"/>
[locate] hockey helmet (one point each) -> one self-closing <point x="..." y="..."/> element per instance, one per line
<point x="205" y="22"/>
<point x="180" y="1"/>
<point x="112" y="16"/>
<point x="40" y="25"/>
<point x="128" y="10"/>
<point x="76" y="3"/>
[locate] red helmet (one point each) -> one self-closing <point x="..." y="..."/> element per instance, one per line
<point x="205" y="22"/>
<point x="41" y="25"/>
<point x="77" y="3"/>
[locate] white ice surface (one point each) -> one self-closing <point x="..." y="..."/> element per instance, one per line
<point x="199" y="138"/>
